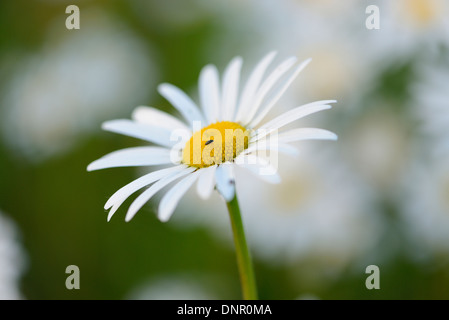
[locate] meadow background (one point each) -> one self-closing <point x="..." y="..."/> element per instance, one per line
<point x="380" y="195"/>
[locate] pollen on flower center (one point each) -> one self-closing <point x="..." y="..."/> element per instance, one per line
<point x="215" y="144"/>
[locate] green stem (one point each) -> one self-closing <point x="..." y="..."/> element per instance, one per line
<point x="244" y="263"/>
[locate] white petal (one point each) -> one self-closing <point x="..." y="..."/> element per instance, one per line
<point x="259" y="166"/>
<point x="155" y="117"/>
<point x="306" y="134"/>
<point x="171" y="198"/>
<point x="266" y="87"/>
<point x="131" y="157"/>
<point x="206" y="182"/>
<point x="209" y="93"/>
<point x="231" y="78"/>
<point x="181" y="102"/>
<point x="124" y="192"/>
<point x="252" y="84"/>
<point x="112" y="211"/>
<point x="225" y="182"/>
<point x="290" y="116"/>
<point x="278" y="93"/>
<point x="131" y="128"/>
<point x="145" y="196"/>
<point x="287" y="149"/>
<point x="276" y="147"/>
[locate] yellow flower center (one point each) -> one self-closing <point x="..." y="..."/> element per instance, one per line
<point x="215" y="144"/>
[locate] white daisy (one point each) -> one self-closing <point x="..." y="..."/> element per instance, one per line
<point x="201" y="155"/>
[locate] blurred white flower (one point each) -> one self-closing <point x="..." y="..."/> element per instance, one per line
<point x="340" y="72"/>
<point x="431" y="105"/>
<point x="425" y="207"/>
<point x="62" y="91"/>
<point x="407" y="26"/>
<point x="175" y="287"/>
<point x="12" y="260"/>
<point x="377" y="146"/>
<point x="325" y="30"/>
<point x="320" y="208"/>
<point x="423" y="18"/>
<point x="425" y="197"/>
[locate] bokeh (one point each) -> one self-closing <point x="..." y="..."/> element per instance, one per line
<point x="378" y="196"/>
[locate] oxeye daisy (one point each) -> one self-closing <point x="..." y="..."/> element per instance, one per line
<point x="229" y="130"/>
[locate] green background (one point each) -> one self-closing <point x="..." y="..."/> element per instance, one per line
<point x="58" y="206"/>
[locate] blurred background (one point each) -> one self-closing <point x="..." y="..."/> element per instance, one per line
<point x="380" y="195"/>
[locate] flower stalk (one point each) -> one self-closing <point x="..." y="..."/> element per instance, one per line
<point x="244" y="263"/>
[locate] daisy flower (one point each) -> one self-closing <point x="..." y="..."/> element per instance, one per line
<point x="220" y="112"/>
<point x="230" y="130"/>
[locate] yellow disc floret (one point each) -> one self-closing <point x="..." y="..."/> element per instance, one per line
<point x="215" y="144"/>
